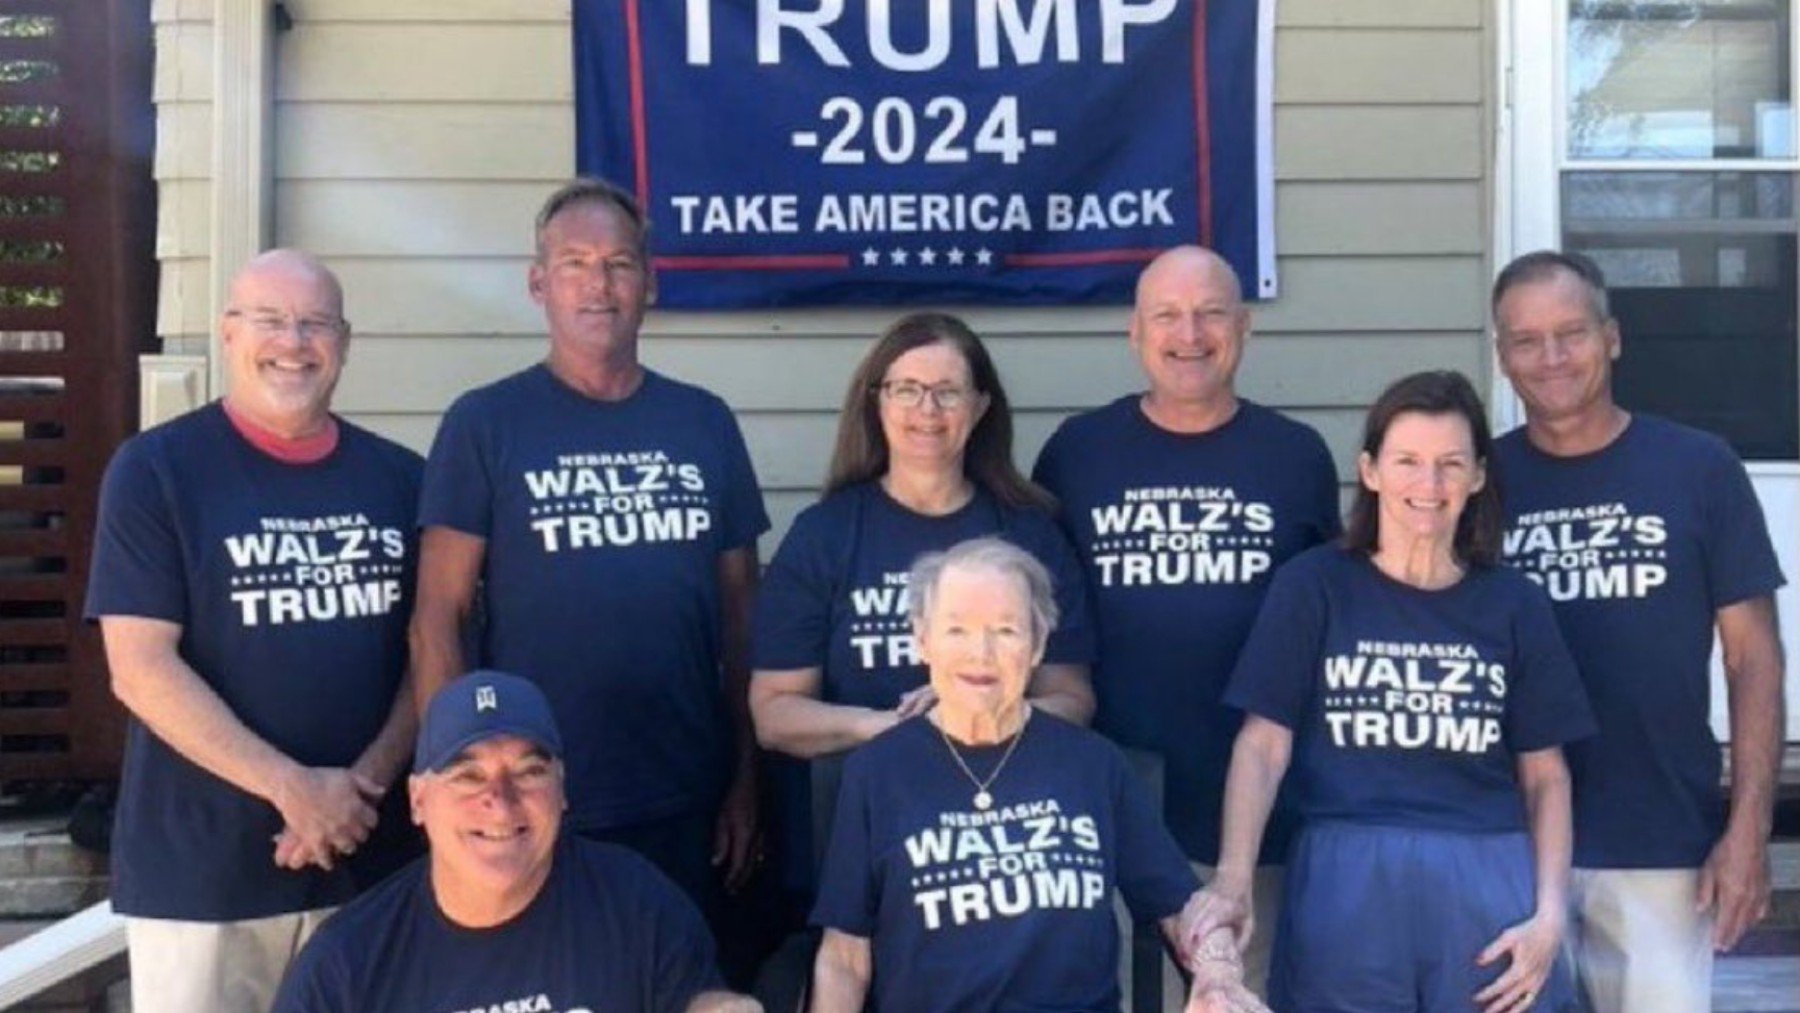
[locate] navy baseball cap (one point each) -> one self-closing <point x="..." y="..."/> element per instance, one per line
<point x="479" y="706"/>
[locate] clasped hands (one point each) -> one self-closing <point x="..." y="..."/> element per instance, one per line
<point x="1210" y="949"/>
<point x="328" y="812"/>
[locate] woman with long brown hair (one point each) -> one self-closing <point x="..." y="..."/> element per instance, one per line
<point x="1423" y="694"/>
<point x="923" y="461"/>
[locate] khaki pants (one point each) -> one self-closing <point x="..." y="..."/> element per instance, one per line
<point x="1267" y="901"/>
<point x="213" y="967"/>
<point x="1637" y="942"/>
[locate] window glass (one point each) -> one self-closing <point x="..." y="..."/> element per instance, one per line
<point x="1680" y="79"/>
<point x="1704" y="282"/>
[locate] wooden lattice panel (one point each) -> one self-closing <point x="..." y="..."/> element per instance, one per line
<point x="74" y="285"/>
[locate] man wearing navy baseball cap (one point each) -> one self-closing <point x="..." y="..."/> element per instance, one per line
<point x="505" y="912"/>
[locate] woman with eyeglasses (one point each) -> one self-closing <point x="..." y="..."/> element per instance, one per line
<point x="923" y="461"/>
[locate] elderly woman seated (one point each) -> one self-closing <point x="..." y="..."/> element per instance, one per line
<point x="976" y="847"/>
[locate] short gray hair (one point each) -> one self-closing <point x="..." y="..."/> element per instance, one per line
<point x="592" y="190"/>
<point x="1543" y="265"/>
<point x="990" y="555"/>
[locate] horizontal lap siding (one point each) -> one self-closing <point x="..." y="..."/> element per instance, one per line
<point x="181" y="90"/>
<point x="415" y="139"/>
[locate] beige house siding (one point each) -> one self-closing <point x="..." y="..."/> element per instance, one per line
<point x="182" y="92"/>
<point x="414" y="139"/>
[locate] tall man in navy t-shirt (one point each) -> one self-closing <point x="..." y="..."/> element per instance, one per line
<point x="1648" y="537"/>
<point x="251" y="576"/>
<point x="609" y="515"/>
<point x="1182" y="501"/>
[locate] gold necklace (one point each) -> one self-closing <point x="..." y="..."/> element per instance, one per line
<point x="983" y="800"/>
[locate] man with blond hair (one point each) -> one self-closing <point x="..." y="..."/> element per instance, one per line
<point x="601" y="520"/>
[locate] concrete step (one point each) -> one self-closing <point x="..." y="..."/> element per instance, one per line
<point x="43" y="874"/>
<point x="1784" y="882"/>
<point x="1767" y="984"/>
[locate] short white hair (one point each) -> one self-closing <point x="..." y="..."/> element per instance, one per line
<point x="990" y="555"/>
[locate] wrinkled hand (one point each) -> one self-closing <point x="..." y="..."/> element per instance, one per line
<point x="1531" y="947"/>
<point x="1734" y="886"/>
<point x="328" y="812"/>
<point x="1216" y="963"/>
<point x="1218" y="971"/>
<point x="1209" y="910"/>
<point x="1236" y="999"/>
<point x="737" y="840"/>
<point x="915" y="702"/>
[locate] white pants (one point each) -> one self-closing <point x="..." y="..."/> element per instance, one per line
<point x="213" y="967"/>
<point x="1637" y="942"/>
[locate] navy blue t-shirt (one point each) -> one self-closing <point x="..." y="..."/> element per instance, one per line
<point x="834" y="596"/>
<point x="1409" y="707"/>
<point x="1008" y="908"/>
<point x="604" y="523"/>
<point x="292" y="584"/>
<point x="1639" y="545"/>
<point x="606" y="932"/>
<point x="1180" y="535"/>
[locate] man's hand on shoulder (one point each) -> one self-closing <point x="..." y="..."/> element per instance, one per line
<point x="329" y="811"/>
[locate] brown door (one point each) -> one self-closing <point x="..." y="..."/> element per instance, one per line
<point x="77" y="291"/>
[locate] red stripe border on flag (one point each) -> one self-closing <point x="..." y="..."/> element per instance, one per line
<point x="775" y="262"/>
<point x="1081" y="258"/>
<point x="1202" y="128"/>
<point x="634" y="54"/>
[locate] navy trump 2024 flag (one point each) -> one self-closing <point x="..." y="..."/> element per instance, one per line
<point x="802" y="152"/>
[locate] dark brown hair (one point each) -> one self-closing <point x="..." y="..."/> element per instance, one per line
<point x="1438" y="392"/>
<point x="861" y="451"/>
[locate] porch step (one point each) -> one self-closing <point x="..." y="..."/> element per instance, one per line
<point x="1784" y="882"/>
<point x="44" y="875"/>
<point x="44" y="878"/>
<point x="1763" y="976"/>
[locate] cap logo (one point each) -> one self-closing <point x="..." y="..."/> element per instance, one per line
<point x="486" y="699"/>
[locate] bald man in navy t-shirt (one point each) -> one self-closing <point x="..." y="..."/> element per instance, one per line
<point x="1181" y="502"/>
<point x="252" y="575"/>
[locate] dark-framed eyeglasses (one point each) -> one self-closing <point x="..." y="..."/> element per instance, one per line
<point x="912" y="394"/>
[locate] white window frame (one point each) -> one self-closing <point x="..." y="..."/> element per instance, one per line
<point x="1530" y="131"/>
<point x="1532" y="128"/>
